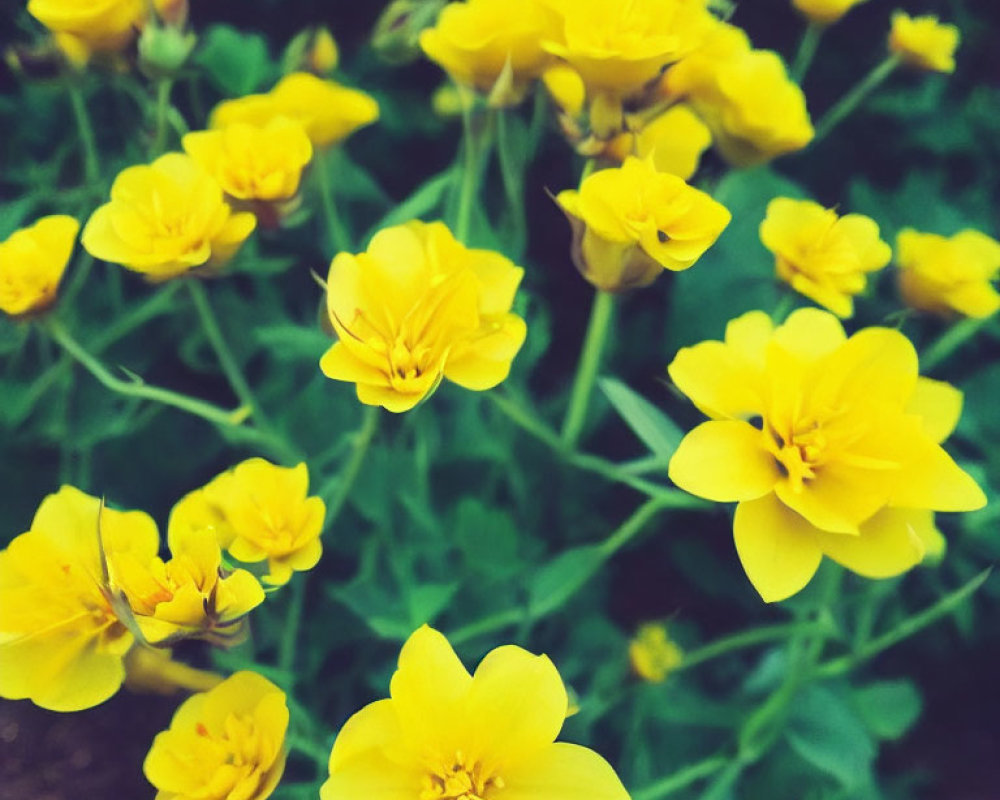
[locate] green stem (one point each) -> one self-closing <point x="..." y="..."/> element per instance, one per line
<point x="628" y="530"/>
<point x="512" y="176"/>
<point x="85" y="130"/>
<point x="469" y="177"/>
<point x="290" y="631"/>
<point x="586" y="371"/>
<point x="302" y="744"/>
<point x="856" y="96"/>
<point x="681" y="779"/>
<point x="807" y="51"/>
<point x="494" y="622"/>
<point x="339" y="236"/>
<point x="750" y="638"/>
<point x="951" y="340"/>
<point x="163" y="88"/>
<point x="227" y="360"/>
<point x="905" y="629"/>
<point x="135" y="388"/>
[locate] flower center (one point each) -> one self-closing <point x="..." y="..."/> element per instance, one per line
<point x="800" y="452"/>
<point x="460" y="780"/>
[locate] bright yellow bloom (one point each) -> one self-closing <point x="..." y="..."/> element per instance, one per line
<point x="825" y="12"/>
<point x="821" y="255"/>
<point x="492" y="45"/>
<point x="632" y="222"/>
<point x="447" y="734"/>
<point x="673" y="140"/>
<point x="923" y="42"/>
<point x="98" y="25"/>
<point x="253" y="163"/>
<point x="258" y="511"/>
<point x="745" y="97"/>
<point x="226" y="743"/>
<point x="326" y="110"/>
<point x="61" y="643"/>
<point x="948" y="275"/>
<point x="419" y="306"/>
<point x="830" y="445"/>
<point x="166" y="219"/>
<point x="653" y="654"/>
<point x="32" y="262"/>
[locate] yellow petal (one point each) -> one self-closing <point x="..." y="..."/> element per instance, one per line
<point x="810" y="334"/>
<point x="724" y="461"/>
<point x="718" y="380"/>
<point x="777" y="547"/>
<point x="372" y="776"/>
<point x="373" y="727"/>
<point x="485" y="362"/>
<point x="840" y="497"/>
<point x="877" y="364"/>
<point x="563" y="772"/>
<point x="931" y="479"/>
<point x="939" y="406"/>
<point x="887" y="545"/>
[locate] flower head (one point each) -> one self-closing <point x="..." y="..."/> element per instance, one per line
<point x="227" y="742"/>
<point x="444" y="733"/>
<point x="632" y="222"/>
<point x="755" y="112"/>
<point x="32" y="262"/>
<point x="673" y="140"/>
<point x="259" y="512"/>
<point x="61" y="642"/>
<point x="949" y="275"/>
<point x="825" y="12"/>
<point x="830" y="445"/>
<point x="165" y="220"/>
<point x="97" y="25"/>
<point x="484" y="44"/>
<point x="923" y="42"/>
<point x="251" y="162"/>
<point x="326" y="110"/>
<point x="821" y="255"/>
<point x="419" y="306"/>
<point x="653" y="654"/>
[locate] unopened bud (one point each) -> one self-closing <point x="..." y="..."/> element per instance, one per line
<point x="163" y="50"/>
<point x="396" y="37"/>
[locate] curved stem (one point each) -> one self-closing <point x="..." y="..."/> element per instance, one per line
<point x="586" y="371"/>
<point x="470" y="175"/>
<point x="856" y="96"/>
<point x="951" y="340"/>
<point x="85" y="130"/>
<point x="339" y="237"/>
<point x="681" y="779"/>
<point x="749" y="638"/>
<point x="807" y="51"/>
<point x="163" y="88"/>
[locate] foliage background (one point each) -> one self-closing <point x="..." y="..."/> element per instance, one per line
<point x="456" y="511"/>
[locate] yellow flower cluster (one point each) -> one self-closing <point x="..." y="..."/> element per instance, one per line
<point x="830" y="445"/>
<point x="923" y="42"/>
<point x="416" y="307"/>
<point x="653" y="654"/>
<point x="32" y="262"/>
<point x="444" y="733"/>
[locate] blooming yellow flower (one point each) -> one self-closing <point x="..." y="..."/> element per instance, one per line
<point x="225" y="743"/>
<point x="97" y="25"/>
<point x="673" y="140"/>
<point x="492" y="44"/>
<point x="32" y="262"/>
<point x="251" y="162"/>
<point x="258" y="511"/>
<point x="830" y="445"/>
<point x="446" y="734"/>
<point x="821" y="255"/>
<point x="632" y="222"/>
<point x="61" y="643"/>
<point x="166" y="219"/>
<point x="326" y="110"/>
<point x="419" y="306"/>
<point x="653" y="654"/>
<point x="923" y="42"/>
<point x="825" y="12"/>
<point x="755" y="112"/>
<point x="948" y="275"/>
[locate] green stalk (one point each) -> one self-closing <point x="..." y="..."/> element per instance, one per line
<point x="340" y="238"/>
<point x="469" y="177"/>
<point x="856" y="96"/>
<point x="681" y="779"/>
<point x="586" y="371"/>
<point x="951" y="340"/>
<point x="85" y="130"/>
<point x="750" y="638"/>
<point x="163" y="89"/>
<point x="807" y="51"/>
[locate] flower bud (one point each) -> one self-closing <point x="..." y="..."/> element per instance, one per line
<point x="164" y="49"/>
<point x="396" y="37"/>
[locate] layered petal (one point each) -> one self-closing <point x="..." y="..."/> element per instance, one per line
<point x="724" y="461"/>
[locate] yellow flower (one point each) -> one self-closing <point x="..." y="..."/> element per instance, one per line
<point x="948" y="275"/>
<point x="165" y="220"/>
<point x="674" y="140"/>
<point x="825" y="12"/>
<point x="830" y="445"/>
<point x="653" y="654"/>
<point x="923" y="42"/>
<point x="821" y="255"/>
<point x="188" y="596"/>
<point x="326" y="110"/>
<point x="492" y="44"/>
<point x="225" y="743"/>
<point x="96" y="25"/>
<point x="32" y="262"/>
<point x="251" y="162"/>
<point x="322" y="55"/>
<point x="419" y="306"/>
<point x="258" y="511"/>
<point x="61" y="643"/>
<point x="632" y="222"/>
<point x="755" y="112"/>
<point x="446" y="734"/>
<point x="153" y="670"/>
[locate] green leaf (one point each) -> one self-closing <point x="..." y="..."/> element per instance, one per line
<point x="427" y="601"/>
<point x="237" y="63"/>
<point x="556" y="581"/>
<point x="888" y="708"/>
<point x="293" y="341"/>
<point x="427" y="197"/>
<point x="14" y="214"/>
<point x="656" y="430"/>
<point x="826" y="732"/>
